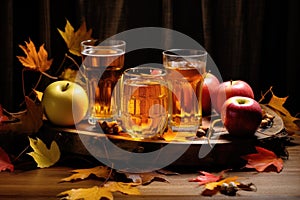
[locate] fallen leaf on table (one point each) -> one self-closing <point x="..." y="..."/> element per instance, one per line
<point x="73" y="39"/>
<point x="206" y="177"/>
<point x="263" y="159"/>
<point x="146" y="178"/>
<point x="213" y="185"/>
<point x="43" y="156"/>
<point x="5" y="163"/>
<point x="93" y="193"/>
<point x="96" y="193"/>
<point x="277" y="104"/>
<point x="34" y="60"/>
<point x="99" y="171"/>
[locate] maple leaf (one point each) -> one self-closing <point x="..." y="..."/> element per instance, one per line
<point x="99" y="171"/>
<point x="92" y="193"/>
<point x="26" y="122"/>
<point x="145" y="178"/>
<point x="213" y="185"/>
<point x="34" y="60"/>
<point x="263" y="159"/>
<point x="43" y="156"/>
<point x="5" y="163"/>
<point x="277" y="104"/>
<point x="96" y="192"/>
<point x="73" y="39"/>
<point x="206" y="177"/>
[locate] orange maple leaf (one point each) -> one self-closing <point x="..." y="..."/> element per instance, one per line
<point x="34" y="60"/>
<point x="263" y="159"/>
<point x="73" y="39"/>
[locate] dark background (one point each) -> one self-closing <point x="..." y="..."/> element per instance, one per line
<point x="253" y="40"/>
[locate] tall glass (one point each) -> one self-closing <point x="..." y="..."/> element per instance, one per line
<point x="102" y="63"/>
<point x="185" y="69"/>
<point x="144" y="102"/>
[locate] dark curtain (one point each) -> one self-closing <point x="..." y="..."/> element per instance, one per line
<point x="253" y="40"/>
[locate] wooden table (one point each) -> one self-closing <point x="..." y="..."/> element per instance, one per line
<point x="44" y="183"/>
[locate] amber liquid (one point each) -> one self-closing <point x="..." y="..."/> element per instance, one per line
<point x="185" y="82"/>
<point x="144" y="110"/>
<point x="103" y="70"/>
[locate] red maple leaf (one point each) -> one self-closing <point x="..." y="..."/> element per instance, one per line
<point x="5" y="163"/>
<point x="263" y="159"/>
<point x="206" y="177"/>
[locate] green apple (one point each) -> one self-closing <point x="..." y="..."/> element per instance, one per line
<point x="65" y="103"/>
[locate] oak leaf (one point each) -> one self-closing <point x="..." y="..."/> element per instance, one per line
<point x="263" y="159"/>
<point x="73" y="39"/>
<point x="206" y="177"/>
<point x="5" y="163"/>
<point x="37" y="61"/>
<point x="99" y="171"/>
<point x="43" y="156"/>
<point x="95" y="193"/>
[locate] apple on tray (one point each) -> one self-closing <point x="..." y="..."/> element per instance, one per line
<point x="211" y="83"/>
<point x="65" y="103"/>
<point x="229" y="89"/>
<point x="241" y="116"/>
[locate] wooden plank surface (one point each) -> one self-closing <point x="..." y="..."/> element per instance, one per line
<point x="44" y="183"/>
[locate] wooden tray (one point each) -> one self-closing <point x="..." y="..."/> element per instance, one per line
<point x="220" y="150"/>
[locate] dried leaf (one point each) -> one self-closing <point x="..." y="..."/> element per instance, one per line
<point x="93" y="193"/>
<point x="277" y="103"/>
<point x="34" y="60"/>
<point x="43" y="156"/>
<point x="69" y="74"/>
<point x="28" y="122"/>
<point x="5" y="163"/>
<point x="146" y="178"/>
<point x="73" y="39"/>
<point x="99" y="171"/>
<point x="125" y="188"/>
<point x="206" y="177"/>
<point x="39" y="95"/>
<point x="213" y="185"/>
<point x="96" y="193"/>
<point x="263" y="159"/>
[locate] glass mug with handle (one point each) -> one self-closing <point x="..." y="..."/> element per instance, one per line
<point x="185" y="69"/>
<point x="103" y="66"/>
<point x="144" y="102"/>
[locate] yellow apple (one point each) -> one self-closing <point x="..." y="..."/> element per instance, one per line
<point x="65" y="103"/>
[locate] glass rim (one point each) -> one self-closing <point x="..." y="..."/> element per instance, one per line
<point x="105" y="43"/>
<point x="130" y="71"/>
<point x="190" y="53"/>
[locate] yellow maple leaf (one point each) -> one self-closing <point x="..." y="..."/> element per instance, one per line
<point x="93" y="193"/>
<point x="125" y="188"/>
<point x="73" y="39"/>
<point x="43" y="156"/>
<point x="213" y="185"/>
<point x="277" y="104"/>
<point x="99" y="171"/>
<point x="34" y="60"/>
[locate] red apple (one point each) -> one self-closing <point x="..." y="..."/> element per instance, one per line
<point x="211" y="83"/>
<point x="241" y="116"/>
<point x="229" y="89"/>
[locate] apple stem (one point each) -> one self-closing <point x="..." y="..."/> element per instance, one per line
<point x="230" y="82"/>
<point x="66" y="87"/>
